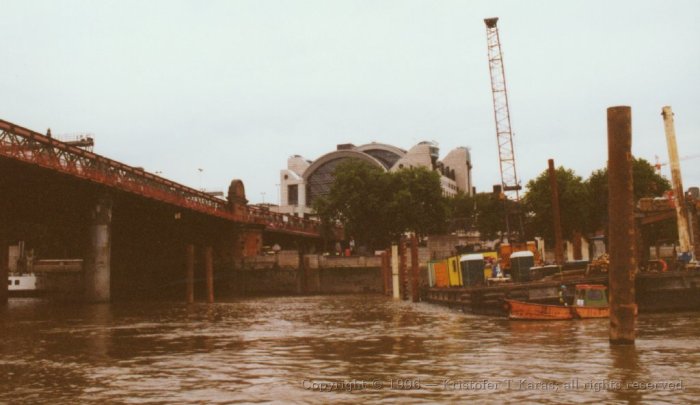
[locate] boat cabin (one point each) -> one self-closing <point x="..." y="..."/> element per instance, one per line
<point x="591" y="295"/>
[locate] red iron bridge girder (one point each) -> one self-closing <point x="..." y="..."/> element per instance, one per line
<point x="24" y="145"/>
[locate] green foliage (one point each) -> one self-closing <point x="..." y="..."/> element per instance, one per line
<point x="375" y="207"/>
<point x="584" y="205"/>
<point x="417" y="201"/>
<point x="647" y="183"/>
<point x="573" y="204"/>
<point x="483" y="212"/>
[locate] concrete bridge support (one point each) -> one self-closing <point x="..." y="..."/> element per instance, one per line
<point x="303" y="272"/>
<point x="97" y="262"/>
<point x="209" y="272"/>
<point x="207" y="262"/>
<point x="4" y="263"/>
<point x="189" y="273"/>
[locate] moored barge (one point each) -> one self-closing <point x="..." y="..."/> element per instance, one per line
<point x="655" y="291"/>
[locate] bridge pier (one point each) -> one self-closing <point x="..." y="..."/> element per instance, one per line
<point x="301" y="273"/>
<point x="189" y="273"/>
<point x="4" y="264"/>
<point x="209" y="272"/>
<point x="97" y="262"/>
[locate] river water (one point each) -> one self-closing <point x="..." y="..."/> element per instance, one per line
<point x="319" y="349"/>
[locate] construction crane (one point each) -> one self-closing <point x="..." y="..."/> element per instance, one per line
<point x="658" y="163"/>
<point x="510" y="185"/>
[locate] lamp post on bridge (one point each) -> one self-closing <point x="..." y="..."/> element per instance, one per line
<point x="201" y="185"/>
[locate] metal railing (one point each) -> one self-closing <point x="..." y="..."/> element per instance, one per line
<point x="21" y="144"/>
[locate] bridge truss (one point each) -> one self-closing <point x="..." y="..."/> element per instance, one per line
<point x="24" y="145"/>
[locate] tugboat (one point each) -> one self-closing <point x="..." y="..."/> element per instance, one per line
<point x="590" y="302"/>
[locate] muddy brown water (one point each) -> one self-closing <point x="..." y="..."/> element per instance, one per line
<point x="350" y="349"/>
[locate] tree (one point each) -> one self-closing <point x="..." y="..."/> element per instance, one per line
<point x="646" y="182"/>
<point x="358" y="199"/>
<point x="417" y="202"/>
<point x="491" y="214"/>
<point x="484" y="212"/>
<point x="573" y="204"/>
<point x="375" y="207"/>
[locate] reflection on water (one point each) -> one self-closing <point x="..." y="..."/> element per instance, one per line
<point x="365" y="348"/>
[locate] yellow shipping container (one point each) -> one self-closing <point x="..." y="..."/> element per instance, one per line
<point x="454" y="271"/>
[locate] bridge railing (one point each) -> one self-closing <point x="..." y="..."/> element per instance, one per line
<point x="275" y="221"/>
<point x="22" y="144"/>
<point x="25" y="145"/>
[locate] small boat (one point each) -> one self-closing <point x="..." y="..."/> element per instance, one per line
<point x="21" y="284"/>
<point x="533" y="311"/>
<point x="590" y="302"/>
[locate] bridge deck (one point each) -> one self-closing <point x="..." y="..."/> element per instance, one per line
<point x="24" y="145"/>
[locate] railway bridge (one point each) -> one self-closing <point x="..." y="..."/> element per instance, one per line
<point x="137" y="233"/>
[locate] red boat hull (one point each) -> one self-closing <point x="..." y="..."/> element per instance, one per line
<point x="591" y="312"/>
<point x="532" y="311"/>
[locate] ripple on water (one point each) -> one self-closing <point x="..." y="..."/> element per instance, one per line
<point x="277" y="348"/>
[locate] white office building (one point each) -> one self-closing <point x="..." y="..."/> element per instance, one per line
<point x="304" y="180"/>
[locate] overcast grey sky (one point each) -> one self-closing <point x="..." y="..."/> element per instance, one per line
<point x="235" y="87"/>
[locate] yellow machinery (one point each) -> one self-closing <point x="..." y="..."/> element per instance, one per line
<point x="454" y="271"/>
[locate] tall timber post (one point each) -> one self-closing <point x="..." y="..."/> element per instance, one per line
<point x="415" y="296"/>
<point x="386" y="271"/>
<point x="623" y="263"/>
<point x="403" y="269"/>
<point x="97" y="263"/>
<point x="556" y="213"/>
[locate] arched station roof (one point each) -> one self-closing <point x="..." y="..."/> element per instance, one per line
<point x="388" y="155"/>
<point x="319" y="176"/>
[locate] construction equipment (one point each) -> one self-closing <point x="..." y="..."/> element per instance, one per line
<point x="658" y="164"/>
<point x="510" y="185"/>
<point x="686" y="249"/>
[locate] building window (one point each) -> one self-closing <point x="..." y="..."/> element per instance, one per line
<point x="293" y="194"/>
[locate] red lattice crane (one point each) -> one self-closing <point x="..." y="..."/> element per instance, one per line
<point x="506" y="153"/>
<point x="510" y="185"/>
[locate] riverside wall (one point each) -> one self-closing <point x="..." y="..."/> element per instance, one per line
<point x="288" y="273"/>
